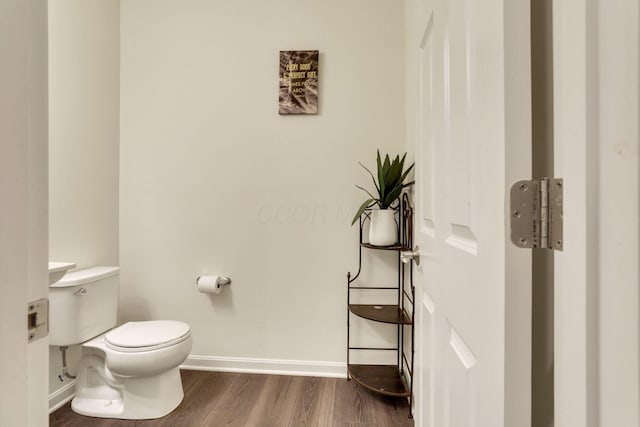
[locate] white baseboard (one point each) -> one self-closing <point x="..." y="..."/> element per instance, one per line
<point x="232" y="364"/>
<point x="62" y="396"/>
<point x="266" y="366"/>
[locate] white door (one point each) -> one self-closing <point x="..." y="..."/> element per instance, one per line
<point x="23" y="209"/>
<point x="596" y="137"/>
<point x="468" y="88"/>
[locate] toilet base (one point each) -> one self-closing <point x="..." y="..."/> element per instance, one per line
<point x="100" y="394"/>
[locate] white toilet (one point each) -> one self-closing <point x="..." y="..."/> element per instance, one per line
<point x="130" y="372"/>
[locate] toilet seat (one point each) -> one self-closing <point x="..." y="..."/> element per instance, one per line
<point x="136" y="337"/>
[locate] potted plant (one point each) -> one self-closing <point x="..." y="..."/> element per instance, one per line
<point x="389" y="185"/>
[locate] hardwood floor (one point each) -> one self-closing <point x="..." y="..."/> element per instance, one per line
<point x="215" y="399"/>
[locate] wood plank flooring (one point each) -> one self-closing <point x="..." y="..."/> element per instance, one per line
<point x="215" y="399"/>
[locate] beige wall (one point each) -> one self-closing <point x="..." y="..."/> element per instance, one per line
<point x="213" y="180"/>
<point x="84" y="52"/>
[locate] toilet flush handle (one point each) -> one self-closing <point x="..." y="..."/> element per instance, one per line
<point x="80" y="292"/>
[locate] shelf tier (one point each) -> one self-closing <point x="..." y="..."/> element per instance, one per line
<point x="383" y="379"/>
<point x="396" y="247"/>
<point x="381" y="313"/>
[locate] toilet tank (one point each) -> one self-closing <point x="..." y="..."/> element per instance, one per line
<point x="83" y="304"/>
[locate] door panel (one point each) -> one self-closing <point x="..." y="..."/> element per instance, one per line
<point x="426" y="364"/>
<point x="459" y="383"/>
<point x="463" y="65"/>
<point x="23" y="220"/>
<point x="596" y="69"/>
<point x="456" y="130"/>
<point x="426" y="155"/>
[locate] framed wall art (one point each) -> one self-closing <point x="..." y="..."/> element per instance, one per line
<point x="298" y="82"/>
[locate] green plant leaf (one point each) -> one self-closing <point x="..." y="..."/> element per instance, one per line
<point x="393" y="175"/>
<point x="385" y="185"/>
<point x="367" y="191"/>
<point x="386" y="165"/>
<point x="362" y="208"/>
<point x="391" y="197"/>
<point x="372" y="177"/>
<point x="404" y="175"/>
<point x="380" y="175"/>
<point x="402" y="166"/>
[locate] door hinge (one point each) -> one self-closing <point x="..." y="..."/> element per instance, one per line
<point x="536" y="213"/>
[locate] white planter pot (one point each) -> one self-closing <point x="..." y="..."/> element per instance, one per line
<point x="383" y="230"/>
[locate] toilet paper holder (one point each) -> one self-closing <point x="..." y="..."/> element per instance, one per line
<point x="220" y="281"/>
<point x="223" y="281"/>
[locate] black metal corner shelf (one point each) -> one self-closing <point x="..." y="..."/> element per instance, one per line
<point x="383" y="379"/>
<point x="396" y="247"/>
<point x="384" y="313"/>
<point x="392" y="379"/>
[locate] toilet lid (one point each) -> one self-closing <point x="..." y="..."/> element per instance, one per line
<point x="144" y="335"/>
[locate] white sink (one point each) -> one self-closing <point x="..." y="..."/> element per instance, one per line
<point x="58" y="269"/>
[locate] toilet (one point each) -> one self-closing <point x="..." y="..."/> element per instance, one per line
<point x="129" y="372"/>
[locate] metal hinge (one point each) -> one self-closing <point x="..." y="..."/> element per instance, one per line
<point x="536" y="213"/>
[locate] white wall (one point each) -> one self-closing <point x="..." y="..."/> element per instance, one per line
<point x="84" y="111"/>
<point x="213" y="180"/>
<point x="84" y="50"/>
<point x="23" y="217"/>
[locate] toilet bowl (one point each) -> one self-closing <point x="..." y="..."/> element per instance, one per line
<point x="145" y="348"/>
<point x="129" y="372"/>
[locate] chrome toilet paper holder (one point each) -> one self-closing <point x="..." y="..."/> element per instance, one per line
<point x="223" y="281"/>
<point x="220" y="281"/>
